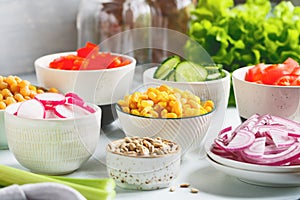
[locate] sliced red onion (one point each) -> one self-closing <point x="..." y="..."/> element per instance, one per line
<point x="292" y="153"/>
<point x="257" y="148"/>
<point x="265" y="140"/>
<point x="241" y="140"/>
<point x="281" y="138"/>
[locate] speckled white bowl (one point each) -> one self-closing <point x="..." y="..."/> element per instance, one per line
<point x="52" y="146"/>
<point x="252" y="98"/>
<point x="188" y="132"/>
<point x="143" y="173"/>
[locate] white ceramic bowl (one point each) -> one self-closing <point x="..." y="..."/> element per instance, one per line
<point x="217" y="90"/>
<point x="252" y="98"/>
<point x="188" y="132"/>
<point x="102" y="87"/>
<point x="143" y="173"/>
<point x="52" y="146"/>
<point x="256" y="177"/>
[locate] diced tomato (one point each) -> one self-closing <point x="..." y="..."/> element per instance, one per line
<point x="296" y="82"/>
<point x="285" y="74"/>
<point x="88" y="58"/>
<point x="273" y="72"/>
<point x="255" y="73"/>
<point x="291" y="63"/>
<point x="285" y="80"/>
<point x="296" y="71"/>
<point x="90" y="50"/>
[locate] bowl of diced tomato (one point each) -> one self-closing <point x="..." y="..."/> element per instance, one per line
<point x="268" y="89"/>
<point x="98" y="77"/>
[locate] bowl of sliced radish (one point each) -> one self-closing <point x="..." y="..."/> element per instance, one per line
<point x="100" y="78"/>
<point x="53" y="133"/>
<point x="262" y="144"/>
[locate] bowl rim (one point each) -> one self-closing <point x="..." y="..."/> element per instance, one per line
<point x="118" y="109"/>
<point x="39" y="62"/>
<point x="96" y="107"/>
<point x="243" y="71"/>
<point x="178" y="151"/>
<point x="150" y="72"/>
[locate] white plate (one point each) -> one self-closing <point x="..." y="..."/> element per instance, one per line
<point x="248" y="166"/>
<point x="274" y="179"/>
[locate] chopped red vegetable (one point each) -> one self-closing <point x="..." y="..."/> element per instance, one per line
<point x="89" y="58"/>
<point x="264" y="140"/>
<point x="284" y="74"/>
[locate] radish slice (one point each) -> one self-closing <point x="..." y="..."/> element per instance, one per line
<point x="49" y="99"/>
<point x="74" y="95"/>
<point x="69" y="111"/>
<point x="82" y="104"/>
<point x="257" y="149"/>
<point x="32" y="109"/>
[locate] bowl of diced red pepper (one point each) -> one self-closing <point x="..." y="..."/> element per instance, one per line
<point x="268" y="89"/>
<point x="98" y="77"/>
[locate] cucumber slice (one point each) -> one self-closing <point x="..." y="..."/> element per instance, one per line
<point x="214" y="76"/>
<point x="166" y="67"/>
<point x="214" y="72"/>
<point x="171" y="76"/>
<point x="213" y="69"/>
<point x="190" y="72"/>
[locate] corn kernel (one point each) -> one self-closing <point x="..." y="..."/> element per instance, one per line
<point x="122" y="103"/>
<point x="209" y="103"/>
<point x="126" y="109"/>
<point x="135" y="112"/>
<point x="171" y="115"/>
<point x="145" y="103"/>
<point x="146" y="110"/>
<point x="194" y="104"/>
<point x="163" y="113"/>
<point x="164" y="88"/>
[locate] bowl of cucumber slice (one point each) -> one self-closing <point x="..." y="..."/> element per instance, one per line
<point x="206" y="81"/>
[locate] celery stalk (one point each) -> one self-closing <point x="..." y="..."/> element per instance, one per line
<point x="107" y="184"/>
<point x="9" y="176"/>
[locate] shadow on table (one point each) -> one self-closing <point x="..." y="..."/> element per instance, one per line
<point x="211" y="181"/>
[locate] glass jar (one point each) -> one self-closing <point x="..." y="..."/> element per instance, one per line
<point x="170" y="15"/>
<point x="112" y="25"/>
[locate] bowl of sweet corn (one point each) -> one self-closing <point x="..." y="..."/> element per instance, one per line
<point x="13" y="89"/>
<point x="217" y="90"/>
<point x="166" y="112"/>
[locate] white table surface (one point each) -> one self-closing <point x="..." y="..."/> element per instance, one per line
<point x="195" y="170"/>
